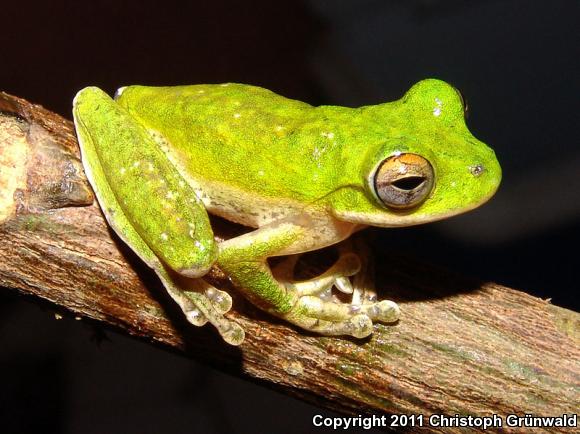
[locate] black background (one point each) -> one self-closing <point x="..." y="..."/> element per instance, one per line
<point x="515" y="61"/>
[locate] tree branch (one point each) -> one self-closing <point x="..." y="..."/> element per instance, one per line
<point x="460" y="347"/>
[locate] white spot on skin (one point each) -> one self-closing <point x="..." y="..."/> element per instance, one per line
<point x="237" y="115"/>
<point x="171" y="195"/>
<point x="328" y="135"/>
<point x="136" y="164"/>
<point x="317" y="154"/>
<point x="279" y="127"/>
<point x="122" y="170"/>
<point x="164" y="236"/>
<point x="438" y="108"/>
<point x="150" y="167"/>
<point x="260" y="173"/>
<point x="200" y="246"/>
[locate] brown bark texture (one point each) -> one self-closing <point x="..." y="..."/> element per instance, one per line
<point x="461" y="346"/>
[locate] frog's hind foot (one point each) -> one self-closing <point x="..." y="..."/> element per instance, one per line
<point x="202" y="303"/>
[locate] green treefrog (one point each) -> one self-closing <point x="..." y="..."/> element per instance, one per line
<point x="161" y="158"/>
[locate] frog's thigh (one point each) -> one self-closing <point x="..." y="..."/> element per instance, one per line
<point x="199" y="301"/>
<point x="119" y="152"/>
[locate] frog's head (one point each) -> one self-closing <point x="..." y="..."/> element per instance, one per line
<point x="427" y="167"/>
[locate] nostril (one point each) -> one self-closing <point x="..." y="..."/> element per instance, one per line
<point x="477" y="169"/>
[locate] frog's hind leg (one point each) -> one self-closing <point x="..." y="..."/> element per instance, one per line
<point x="202" y="303"/>
<point x="174" y="227"/>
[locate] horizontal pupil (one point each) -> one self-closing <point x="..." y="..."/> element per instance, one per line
<point x="409" y="183"/>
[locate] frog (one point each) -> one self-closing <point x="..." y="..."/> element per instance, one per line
<point x="299" y="177"/>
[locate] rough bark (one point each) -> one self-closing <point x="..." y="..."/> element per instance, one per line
<point x="461" y="346"/>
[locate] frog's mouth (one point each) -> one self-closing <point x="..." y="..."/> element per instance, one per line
<point x="393" y="219"/>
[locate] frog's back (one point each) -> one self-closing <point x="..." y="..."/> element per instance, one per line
<point x="244" y="136"/>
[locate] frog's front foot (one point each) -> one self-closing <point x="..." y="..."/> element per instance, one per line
<point x="318" y="309"/>
<point x="331" y="318"/>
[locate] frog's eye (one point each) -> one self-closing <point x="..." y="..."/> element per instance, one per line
<point x="404" y="180"/>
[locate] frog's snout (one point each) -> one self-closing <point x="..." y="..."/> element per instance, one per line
<point x="487" y="174"/>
